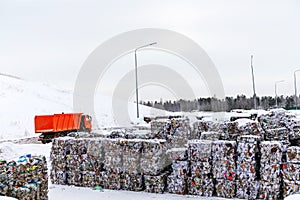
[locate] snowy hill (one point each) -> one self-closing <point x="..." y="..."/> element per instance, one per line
<point x="21" y="100"/>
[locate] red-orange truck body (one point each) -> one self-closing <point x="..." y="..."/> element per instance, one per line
<point x="61" y="123"/>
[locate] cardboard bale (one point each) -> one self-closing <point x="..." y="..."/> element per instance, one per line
<point x="155" y="184"/>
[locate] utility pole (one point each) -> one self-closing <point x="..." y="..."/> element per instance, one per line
<point x="254" y="94"/>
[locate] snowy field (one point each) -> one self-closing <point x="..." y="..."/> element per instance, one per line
<point x="21" y="100"/>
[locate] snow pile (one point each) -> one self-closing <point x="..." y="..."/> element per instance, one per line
<point x="21" y="100"/>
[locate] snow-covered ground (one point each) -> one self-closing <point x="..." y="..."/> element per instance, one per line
<point x="21" y="100"/>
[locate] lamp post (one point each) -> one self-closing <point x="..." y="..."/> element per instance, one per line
<point x="295" y="85"/>
<point x="253" y="83"/>
<point x="136" y="77"/>
<point x="276" y="91"/>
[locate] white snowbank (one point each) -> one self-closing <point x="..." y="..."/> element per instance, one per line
<point x="293" y="197"/>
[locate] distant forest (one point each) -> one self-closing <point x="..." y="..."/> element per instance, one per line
<point x="227" y="104"/>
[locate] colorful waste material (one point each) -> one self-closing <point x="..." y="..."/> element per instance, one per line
<point x="24" y="178"/>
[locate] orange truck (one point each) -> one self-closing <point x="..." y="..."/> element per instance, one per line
<point x="57" y="125"/>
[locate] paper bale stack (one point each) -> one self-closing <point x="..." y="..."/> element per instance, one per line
<point x="224" y="169"/>
<point x="247" y="167"/>
<point x="132" y="152"/>
<point x="201" y="181"/>
<point x="270" y="179"/>
<point x="153" y="162"/>
<point x="291" y="172"/>
<point x="25" y="178"/>
<point x="177" y="181"/>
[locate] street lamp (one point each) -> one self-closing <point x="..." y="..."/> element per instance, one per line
<point x="295" y="84"/>
<point x="136" y="78"/>
<point x="253" y="83"/>
<point x="276" y="91"/>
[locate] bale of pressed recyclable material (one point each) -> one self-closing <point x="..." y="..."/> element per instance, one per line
<point x="270" y="177"/>
<point x="24" y="178"/>
<point x="153" y="158"/>
<point x="132" y="182"/>
<point x="247" y="164"/>
<point x="247" y="189"/>
<point x="225" y="188"/>
<point x="132" y="152"/>
<point x="177" y="181"/>
<point x="200" y="150"/>
<point x="155" y="184"/>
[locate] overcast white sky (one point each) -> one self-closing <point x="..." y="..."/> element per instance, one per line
<point x="49" y="40"/>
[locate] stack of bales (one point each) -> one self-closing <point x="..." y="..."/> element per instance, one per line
<point x="59" y="151"/>
<point x="224" y="168"/>
<point x="153" y="164"/>
<point x="177" y="181"/>
<point x="24" y="179"/>
<point x="132" y="152"/>
<point x="247" y="167"/>
<point x="270" y="178"/>
<point x="291" y="172"/>
<point x="201" y="181"/>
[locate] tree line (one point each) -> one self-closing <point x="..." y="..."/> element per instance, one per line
<point x="227" y="104"/>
